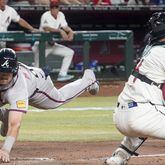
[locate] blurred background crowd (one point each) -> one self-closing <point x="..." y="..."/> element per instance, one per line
<point x="88" y="2"/>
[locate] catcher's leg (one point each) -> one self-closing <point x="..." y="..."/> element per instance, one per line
<point x="4" y="114"/>
<point x="124" y="152"/>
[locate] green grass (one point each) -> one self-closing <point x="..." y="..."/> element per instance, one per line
<point x="93" y="102"/>
<point x="90" y="125"/>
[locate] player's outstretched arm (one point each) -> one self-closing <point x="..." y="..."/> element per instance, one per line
<point x="50" y="29"/>
<point x="14" y="123"/>
<point x="26" y="25"/>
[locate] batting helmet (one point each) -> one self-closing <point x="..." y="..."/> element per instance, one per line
<point x="8" y="61"/>
<point x="157" y="25"/>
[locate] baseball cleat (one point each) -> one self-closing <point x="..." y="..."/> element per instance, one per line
<point x="65" y="78"/>
<point x="89" y="76"/>
<point x="94" y="88"/>
<point x="119" y="157"/>
<point x="4" y="115"/>
<point x="113" y="161"/>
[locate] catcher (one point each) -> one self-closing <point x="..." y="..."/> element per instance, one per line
<point x="21" y="85"/>
<point x="140" y="111"/>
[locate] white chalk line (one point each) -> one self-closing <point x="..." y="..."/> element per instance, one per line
<point x="87" y="159"/>
<point x="28" y="158"/>
<point x="139" y="156"/>
<point x="75" y="109"/>
<point x="143" y="156"/>
<point x="152" y="155"/>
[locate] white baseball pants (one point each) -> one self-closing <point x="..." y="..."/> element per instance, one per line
<point x="49" y="97"/>
<point x="143" y="120"/>
<point x="58" y="50"/>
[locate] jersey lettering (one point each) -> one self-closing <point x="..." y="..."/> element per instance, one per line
<point x="8" y="20"/>
<point x="34" y="73"/>
<point x="45" y="22"/>
<point x="26" y="75"/>
<point x="138" y="65"/>
<point x="137" y="68"/>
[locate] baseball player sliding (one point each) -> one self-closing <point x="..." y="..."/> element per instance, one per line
<point x="21" y="85"/>
<point x="54" y="21"/>
<point x="140" y="111"/>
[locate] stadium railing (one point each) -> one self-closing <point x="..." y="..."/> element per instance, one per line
<point x="85" y="36"/>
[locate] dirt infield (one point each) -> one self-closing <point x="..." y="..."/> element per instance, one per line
<point x="111" y="88"/>
<point x="81" y="153"/>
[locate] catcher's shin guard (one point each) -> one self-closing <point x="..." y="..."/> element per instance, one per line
<point x="127" y="148"/>
<point x="131" y="144"/>
<point x="4" y="115"/>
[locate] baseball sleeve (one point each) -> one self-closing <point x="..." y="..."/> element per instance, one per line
<point x="15" y="17"/>
<point x="43" y="22"/>
<point x="63" y="20"/>
<point x="17" y="97"/>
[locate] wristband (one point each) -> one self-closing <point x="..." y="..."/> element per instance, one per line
<point x="8" y="144"/>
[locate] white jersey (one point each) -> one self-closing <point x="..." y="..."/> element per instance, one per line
<point x="140" y="110"/>
<point x="18" y="92"/>
<point x="31" y="86"/>
<point x="152" y="65"/>
<point x="6" y="16"/>
<point x="47" y="20"/>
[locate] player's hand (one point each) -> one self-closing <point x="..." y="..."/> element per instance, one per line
<point x="64" y="35"/>
<point x="4" y="156"/>
<point x="35" y="30"/>
<point x="70" y="36"/>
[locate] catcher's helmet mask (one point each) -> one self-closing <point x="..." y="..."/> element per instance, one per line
<point x="8" y="61"/>
<point x="156" y="26"/>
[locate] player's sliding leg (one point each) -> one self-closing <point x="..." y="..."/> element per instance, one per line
<point x="87" y="83"/>
<point x="51" y="97"/>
